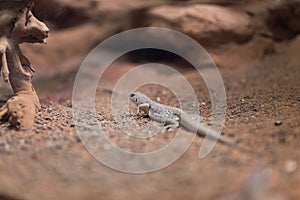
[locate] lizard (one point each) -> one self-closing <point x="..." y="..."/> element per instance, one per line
<point x="175" y="117"/>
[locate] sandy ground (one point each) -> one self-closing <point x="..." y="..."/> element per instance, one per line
<point x="263" y="99"/>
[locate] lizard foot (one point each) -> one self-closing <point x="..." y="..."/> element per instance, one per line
<point x="169" y="128"/>
<point x="19" y="111"/>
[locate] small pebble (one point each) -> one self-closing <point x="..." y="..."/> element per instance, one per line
<point x="291" y="166"/>
<point x="22" y="142"/>
<point x="278" y="123"/>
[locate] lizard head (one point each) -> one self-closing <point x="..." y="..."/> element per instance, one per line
<point x="138" y="98"/>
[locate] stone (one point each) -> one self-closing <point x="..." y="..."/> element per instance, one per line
<point x="208" y="24"/>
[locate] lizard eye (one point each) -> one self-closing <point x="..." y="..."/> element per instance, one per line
<point x="131" y="95"/>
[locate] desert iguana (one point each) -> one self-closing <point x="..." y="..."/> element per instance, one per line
<point x="174" y="117"/>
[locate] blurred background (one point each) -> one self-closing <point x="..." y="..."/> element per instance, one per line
<point x="233" y="32"/>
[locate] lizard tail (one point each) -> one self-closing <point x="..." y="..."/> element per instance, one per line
<point x="204" y="131"/>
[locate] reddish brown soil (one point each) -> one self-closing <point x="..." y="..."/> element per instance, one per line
<point x="261" y="78"/>
<point x="50" y="162"/>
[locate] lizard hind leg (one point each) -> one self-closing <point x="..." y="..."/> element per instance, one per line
<point x="171" y="127"/>
<point x="171" y="124"/>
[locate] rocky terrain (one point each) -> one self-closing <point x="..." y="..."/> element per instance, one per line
<point x="255" y="45"/>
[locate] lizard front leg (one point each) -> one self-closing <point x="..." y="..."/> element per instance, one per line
<point x="143" y="110"/>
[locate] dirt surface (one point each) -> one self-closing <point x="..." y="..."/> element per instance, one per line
<point x="261" y="79"/>
<point x="263" y="113"/>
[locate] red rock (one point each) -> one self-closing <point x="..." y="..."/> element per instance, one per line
<point x="209" y="24"/>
